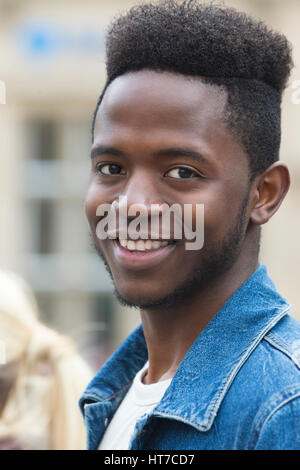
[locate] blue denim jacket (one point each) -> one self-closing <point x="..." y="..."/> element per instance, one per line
<point x="238" y="387"/>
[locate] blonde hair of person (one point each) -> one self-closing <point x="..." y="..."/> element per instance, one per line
<point x="41" y="409"/>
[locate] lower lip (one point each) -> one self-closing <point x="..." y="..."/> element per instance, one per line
<point x="141" y="259"/>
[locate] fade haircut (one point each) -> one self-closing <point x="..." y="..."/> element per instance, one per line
<point x="222" y="47"/>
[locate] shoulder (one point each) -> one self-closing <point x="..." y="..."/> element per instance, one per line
<point x="278" y="422"/>
<point x="278" y="354"/>
<point x="285" y="337"/>
<point x="268" y="389"/>
<point x="276" y="359"/>
<point x="275" y="362"/>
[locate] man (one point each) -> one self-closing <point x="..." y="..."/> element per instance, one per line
<point x="190" y="114"/>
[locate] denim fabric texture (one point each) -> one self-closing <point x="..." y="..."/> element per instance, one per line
<point x="238" y="387"/>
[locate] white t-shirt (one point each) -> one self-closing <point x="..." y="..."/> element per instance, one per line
<point x="140" y="399"/>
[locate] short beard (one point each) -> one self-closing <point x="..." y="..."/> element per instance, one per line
<point x="214" y="263"/>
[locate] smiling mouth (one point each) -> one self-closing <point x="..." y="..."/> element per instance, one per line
<point x="141" y="254"/>
<point x="144" y="245"/>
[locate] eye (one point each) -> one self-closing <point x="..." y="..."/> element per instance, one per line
<point x="182" y="172"/>
<point x="110" y="169"/>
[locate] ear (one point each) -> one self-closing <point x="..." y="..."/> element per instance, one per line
<point x="270" y="189"/>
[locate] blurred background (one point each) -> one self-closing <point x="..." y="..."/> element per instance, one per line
<point x="52" y="62"/>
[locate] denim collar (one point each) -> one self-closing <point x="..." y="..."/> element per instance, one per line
<point x="211" y="364"/>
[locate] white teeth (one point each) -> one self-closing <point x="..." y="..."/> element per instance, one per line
<point x="123" y="242"/>
<point x="148" y="244"/>
<point x="130" y="245"/>
<point x="156" y="244"/>
<point x="141" y="245"/>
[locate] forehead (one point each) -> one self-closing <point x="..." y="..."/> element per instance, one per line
<point x="163" y="100"/>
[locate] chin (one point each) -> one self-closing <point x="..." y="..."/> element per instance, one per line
<point x="136" y="289"/>
<point x="152" y="301"/>
<point x="133" y="300"/>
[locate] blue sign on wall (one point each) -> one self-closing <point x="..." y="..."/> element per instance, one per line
<point x="45" y="41"/>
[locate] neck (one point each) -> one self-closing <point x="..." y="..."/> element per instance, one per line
<point x="170" y="332"/>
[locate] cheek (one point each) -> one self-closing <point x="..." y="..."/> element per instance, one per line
<point x="217" y="212"/>
<point x="92" y="201"/>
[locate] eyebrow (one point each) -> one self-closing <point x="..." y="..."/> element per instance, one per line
<point x="170" y="152"/>
<point x="183" y="152"/>
<point x="105" y="149"/>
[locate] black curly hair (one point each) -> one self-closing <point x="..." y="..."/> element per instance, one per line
<point x="221" y="46"/>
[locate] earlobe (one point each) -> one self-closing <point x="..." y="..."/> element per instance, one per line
<point x="270" y="189"/>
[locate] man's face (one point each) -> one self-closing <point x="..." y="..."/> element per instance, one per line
<point x="149" y="129"/>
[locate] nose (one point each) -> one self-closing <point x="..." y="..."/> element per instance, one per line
<point x="142" y="200"/>
<point x="140" y="195"/>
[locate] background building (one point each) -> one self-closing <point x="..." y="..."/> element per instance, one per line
<point x="52" y="62"/>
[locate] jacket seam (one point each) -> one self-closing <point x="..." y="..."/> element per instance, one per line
<point x="269" y="417"/>
<point x="102" y="399"/>
<point x="278" y="340"/>
<point x="163" y="414"/>
<point x="281" y="346"/>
